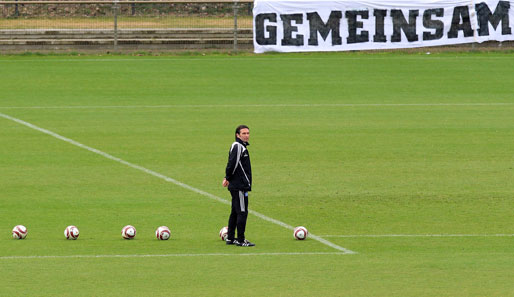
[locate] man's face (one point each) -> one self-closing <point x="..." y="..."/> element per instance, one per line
<point x="244" y="134"/>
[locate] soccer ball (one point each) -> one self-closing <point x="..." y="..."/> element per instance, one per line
<point x="71" y="232"/>
<point x="163" y="233"/>
<point x="300" y="233"/>
<point x="128" y="232"/>
<point x="224" y="233"/>
<point x="19" y="232"/>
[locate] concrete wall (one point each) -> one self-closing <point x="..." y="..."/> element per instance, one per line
<point x="127" y="39"/>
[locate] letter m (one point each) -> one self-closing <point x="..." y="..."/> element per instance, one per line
<point x="317" y="25"/>
<point x="501" y="14"/>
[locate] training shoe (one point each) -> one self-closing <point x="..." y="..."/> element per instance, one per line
<point x="230" y="242"/>
<point x="244" y="243"/>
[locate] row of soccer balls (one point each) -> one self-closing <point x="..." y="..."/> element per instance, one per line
<point x="129" y="232"/>
<point x="72" y="232"/>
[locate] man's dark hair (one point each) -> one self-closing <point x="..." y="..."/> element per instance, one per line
<point x="238" y="129"/>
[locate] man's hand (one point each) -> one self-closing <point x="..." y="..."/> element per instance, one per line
<point x="225" y="183"/>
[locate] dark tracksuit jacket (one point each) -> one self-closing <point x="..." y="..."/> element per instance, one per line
<point x="239" y="174"/>
<point x="239" y="168"/>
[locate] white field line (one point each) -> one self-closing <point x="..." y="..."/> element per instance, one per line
<point x="426" y="57"/>
<point x="169" y="255"/>
<point x="168" y="179"/>
<point x="257" y="105"/>
<point x="419" y="235"/>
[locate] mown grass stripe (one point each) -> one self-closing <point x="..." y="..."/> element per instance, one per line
<point x="258" y="105"/>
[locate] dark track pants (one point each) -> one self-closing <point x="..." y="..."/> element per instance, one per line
<point x="238" y="215"/>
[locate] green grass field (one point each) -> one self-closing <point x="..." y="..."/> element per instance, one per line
<point x="405" y="159"/>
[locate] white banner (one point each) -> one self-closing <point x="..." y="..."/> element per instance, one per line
<point x="323" y="25"/>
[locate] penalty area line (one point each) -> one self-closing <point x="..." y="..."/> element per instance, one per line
<point x="417" y="235"/>
<point x="167" y="179"/>
<point x="171" y="255"/>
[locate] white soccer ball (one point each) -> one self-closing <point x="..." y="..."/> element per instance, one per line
<point x="19" y="232"/>
<point x="300" y="233"/>
<point x="128" y="232"/>
<point x="71" y="232"/>
<point x="163" y="233"/>
<point x="224" y="233"/>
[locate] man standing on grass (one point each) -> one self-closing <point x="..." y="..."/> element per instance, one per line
<point x="238" y="179"/>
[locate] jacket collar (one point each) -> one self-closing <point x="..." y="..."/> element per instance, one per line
<point x="242" y="142"/>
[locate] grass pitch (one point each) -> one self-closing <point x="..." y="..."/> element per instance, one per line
<point x="405" y="159"/>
